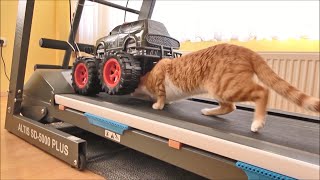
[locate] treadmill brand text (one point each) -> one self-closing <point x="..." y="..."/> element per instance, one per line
<point x="44" y="139"/>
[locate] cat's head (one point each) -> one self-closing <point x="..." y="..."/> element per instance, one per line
<point x="142" y="91"/>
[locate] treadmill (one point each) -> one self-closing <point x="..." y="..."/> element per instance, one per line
<point x="218" y="147"/>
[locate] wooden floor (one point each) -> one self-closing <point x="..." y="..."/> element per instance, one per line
<point x="20" y="160"/>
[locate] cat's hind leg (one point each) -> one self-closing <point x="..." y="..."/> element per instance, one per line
<point x="224" y="108"/>
<point x="260" y="96"/>
<point x="251" y="91"/>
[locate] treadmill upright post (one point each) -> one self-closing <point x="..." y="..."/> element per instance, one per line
<point x="75" y="24"/>
<point x="146" y="9"/>
<point x="19" y="58"/>
<point x="62" y="145"/>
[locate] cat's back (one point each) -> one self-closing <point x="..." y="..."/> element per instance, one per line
<point x="226" y="49"/>
<point x="217" y="51"/>
<point x="193" y="70"/>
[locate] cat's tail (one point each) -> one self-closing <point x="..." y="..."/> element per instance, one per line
<point x="282" y="87"/>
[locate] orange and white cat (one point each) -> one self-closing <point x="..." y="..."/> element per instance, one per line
<point x="225" y="72"/>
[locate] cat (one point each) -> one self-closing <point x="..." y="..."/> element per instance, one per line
<point x="225" y="72"/>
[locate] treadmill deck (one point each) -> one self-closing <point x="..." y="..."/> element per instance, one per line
<point x="289" y="143"/>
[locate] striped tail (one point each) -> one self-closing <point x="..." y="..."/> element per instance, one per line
<point x="282" y="87"/>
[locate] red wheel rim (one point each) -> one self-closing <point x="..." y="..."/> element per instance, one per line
<point x="111" y="72"/>
<point x="81" y="75"/>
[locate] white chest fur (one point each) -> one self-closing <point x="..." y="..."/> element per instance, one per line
<point x="174" y="93"/>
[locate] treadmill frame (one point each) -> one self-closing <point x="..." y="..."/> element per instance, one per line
<point x="195" y="160"/>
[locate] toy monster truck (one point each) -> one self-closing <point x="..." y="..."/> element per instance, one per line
<point x="122" y="57"/>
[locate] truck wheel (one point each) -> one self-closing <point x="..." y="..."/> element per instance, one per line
<point x="119" y="74"/>
<point x="85" y="79"/>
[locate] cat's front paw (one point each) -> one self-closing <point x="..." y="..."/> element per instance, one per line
<point x="257" y="125"/>
<point x="210" y="111"/>
<point x="205" y="111"/>
<point x="158" y="106"/>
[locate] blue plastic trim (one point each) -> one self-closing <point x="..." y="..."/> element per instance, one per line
<point x="257" y="173"/>
<point x="106" y="123"/>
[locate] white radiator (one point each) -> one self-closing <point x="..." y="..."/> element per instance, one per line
<point x="299" y="69"/>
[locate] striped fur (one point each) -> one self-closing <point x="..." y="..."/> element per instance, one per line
<point x="226" y="73"/>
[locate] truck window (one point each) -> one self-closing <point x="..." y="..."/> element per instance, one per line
<point x="157" y="28"/>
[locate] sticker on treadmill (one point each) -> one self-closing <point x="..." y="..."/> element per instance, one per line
<point x="111" y="135"/>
